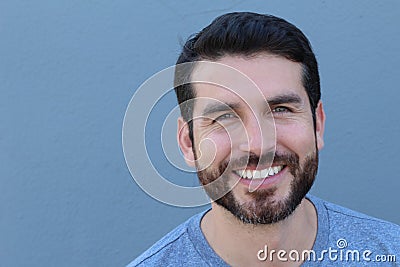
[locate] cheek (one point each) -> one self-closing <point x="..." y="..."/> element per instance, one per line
<point x="213" y="148"/>
<point x="298" y="138"/>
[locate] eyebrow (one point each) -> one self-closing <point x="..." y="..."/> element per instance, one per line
<point x="219" y="107"/>
<point x="290" y="98"/>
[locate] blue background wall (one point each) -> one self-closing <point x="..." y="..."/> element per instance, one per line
<point x="68" y="70"/>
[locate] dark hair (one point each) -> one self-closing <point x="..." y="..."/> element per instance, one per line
<point x="245" y="33"/>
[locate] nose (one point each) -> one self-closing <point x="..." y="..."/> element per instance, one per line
<point x="259" y="136"/>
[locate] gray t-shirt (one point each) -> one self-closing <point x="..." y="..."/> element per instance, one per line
<point x="344" y="238"/>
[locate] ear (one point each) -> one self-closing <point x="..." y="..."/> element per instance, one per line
<point x="320" y="125"/>
<point x="184" y="142"/>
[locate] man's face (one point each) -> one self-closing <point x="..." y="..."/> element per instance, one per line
<point x="257" y="143"/>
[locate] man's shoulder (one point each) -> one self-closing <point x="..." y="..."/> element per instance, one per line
<point x="161" y="248"/>
<point x="359" y="229"/>
<point x="172" y="249"/>
<point x="357" y="219"/>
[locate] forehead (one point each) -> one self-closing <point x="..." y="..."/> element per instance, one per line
<point x="250" y="79"/>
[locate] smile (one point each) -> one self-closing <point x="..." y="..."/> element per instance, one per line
<point x="259" y="174"/>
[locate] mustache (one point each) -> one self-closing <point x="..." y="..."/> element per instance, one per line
<point x="268" y="158"/>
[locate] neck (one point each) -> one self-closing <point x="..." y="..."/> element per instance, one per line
<point x="239" y="244"/>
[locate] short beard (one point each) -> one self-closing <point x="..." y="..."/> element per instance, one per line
<point x="263" y="209"/>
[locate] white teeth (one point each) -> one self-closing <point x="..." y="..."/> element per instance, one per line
<point x="271" y="172"/>
<point x="277" y="169"/>
<point x="249" y="174"/>
<point x="259" y="174"/>
<point x="264" y="173"/>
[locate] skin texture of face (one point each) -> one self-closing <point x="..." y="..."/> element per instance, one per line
<point x="271" y="124"/>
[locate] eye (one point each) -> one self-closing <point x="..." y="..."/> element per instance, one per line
<point x="225" y="116"/>
<point x="281" y="109"/>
